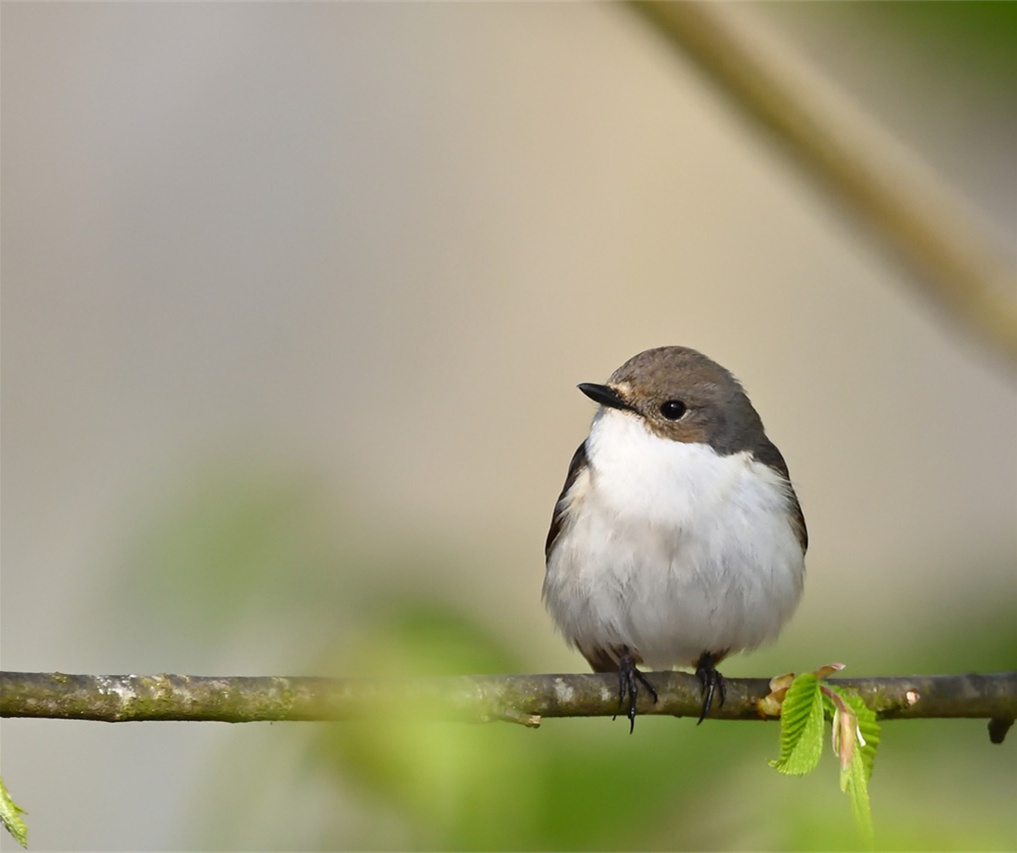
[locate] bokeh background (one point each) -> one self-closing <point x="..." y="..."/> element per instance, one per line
<point x="295" y="298"/>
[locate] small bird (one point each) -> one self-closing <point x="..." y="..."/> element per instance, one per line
<point x="677" y="538"/>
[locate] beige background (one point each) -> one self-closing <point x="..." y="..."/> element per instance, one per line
<point x="366" y="252"/>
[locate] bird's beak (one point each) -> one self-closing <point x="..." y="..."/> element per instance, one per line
<point x="603" y="394"/>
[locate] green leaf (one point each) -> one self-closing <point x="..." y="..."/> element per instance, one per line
<point x="854" y="781"/>
<point x="10" y="816"/>
<point x="801" y="727"/>
<point x="867" y="725"/>
<point x="854" y="778"/>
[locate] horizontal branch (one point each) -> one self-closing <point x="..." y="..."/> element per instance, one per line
<point x="480" y="698"/>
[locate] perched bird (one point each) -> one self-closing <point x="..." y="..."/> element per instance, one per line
<point x="677" y="538"/>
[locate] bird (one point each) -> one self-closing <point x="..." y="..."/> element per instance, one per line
<point x="678" y="538"/>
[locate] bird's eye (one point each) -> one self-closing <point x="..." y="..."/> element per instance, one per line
<point x="672" y="409"/>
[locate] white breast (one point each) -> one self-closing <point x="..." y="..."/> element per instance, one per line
<point x="672" y="550"/>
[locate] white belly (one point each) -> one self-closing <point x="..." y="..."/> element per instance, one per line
<point x="671" y="550"/>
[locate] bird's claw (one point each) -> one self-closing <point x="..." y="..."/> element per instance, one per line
<point x="629" y="679"/>
<point x="712" y="682"/>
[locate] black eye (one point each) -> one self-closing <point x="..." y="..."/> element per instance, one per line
<point x="672" y="409"/>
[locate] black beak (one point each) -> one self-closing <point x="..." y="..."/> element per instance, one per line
<point x="604" y="395"/>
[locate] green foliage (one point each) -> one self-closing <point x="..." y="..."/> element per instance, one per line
<point x="10" y="817"/>
<point x="801" y="728"/>
<point x="854" y="781"/>
<point x="329" y="593"/>
<point x="865" y="721"/>
<point x="856" y="735"/>
<point x="977" y="36"/>
<point x="574" y="784"/>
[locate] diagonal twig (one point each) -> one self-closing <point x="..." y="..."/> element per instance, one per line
<point x="952" y="260"/>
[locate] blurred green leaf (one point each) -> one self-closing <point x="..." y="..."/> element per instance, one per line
<point x="978" y="35"/>
<point x="573" y="784"/>
<point x="228" y="540"/>
<point x="247" y="545"/>
<point x="10" y="817"/>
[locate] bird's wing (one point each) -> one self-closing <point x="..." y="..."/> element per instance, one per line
<point x="577" y="465"/>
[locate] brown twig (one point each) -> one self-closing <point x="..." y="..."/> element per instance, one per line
<point x="522" y="699"/>
<point x="954" y="263"/>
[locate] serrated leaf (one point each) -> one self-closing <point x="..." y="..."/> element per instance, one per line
<point x="854" y="778"/>
<point x="801" y="727"/>
<point x="854" y="781"/>
<point x="10" y="817"/>
<point x="868" y="727"/>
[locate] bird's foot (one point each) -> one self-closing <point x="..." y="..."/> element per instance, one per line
<point x="711" y="680"/>
<point x="629" y="679"/>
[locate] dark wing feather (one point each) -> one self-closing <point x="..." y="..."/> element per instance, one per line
<point x="577" y="464"/>
<point x="769" y="455"/>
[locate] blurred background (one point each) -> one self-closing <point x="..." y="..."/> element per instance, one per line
<point x="295" y="300"/>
